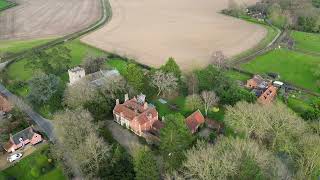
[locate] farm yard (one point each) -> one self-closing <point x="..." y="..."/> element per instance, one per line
<point x="294" y="66"/>
<point x="34" y="19"/>
<point x="188" y="31"/>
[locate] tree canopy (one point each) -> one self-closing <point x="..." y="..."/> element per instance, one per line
<point x="172" y="67"/>
<point x="175" y="138"/>
<point x="43" y="87"/>
<point x="145" y="165"/>
<point x="279" y="130"/>
<point x="230" y="159"/>
<point x="135" y="76"/>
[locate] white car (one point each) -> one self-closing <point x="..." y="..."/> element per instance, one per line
<point x="14" y="157"/>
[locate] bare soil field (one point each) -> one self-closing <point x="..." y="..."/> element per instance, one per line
<point x="47" y="18"/>
<point x="188" y="30"/>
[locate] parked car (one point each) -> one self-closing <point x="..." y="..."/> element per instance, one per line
<point x="14" y="157"/>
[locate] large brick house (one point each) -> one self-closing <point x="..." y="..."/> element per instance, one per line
<point x="135" y="114"/>
<point x="21" y="139"/>
<point x="5" y="105"/>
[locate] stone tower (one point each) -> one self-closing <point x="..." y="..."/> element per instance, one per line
<point x="76" y="74"/>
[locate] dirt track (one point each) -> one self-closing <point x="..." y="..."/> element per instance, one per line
<point x="188" y="30"/>
<point x="46" y="18"/>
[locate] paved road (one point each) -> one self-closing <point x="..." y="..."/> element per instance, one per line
<point x="45" y="125"/>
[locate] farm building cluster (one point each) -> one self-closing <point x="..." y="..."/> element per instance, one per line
<point x="265" y="90"/>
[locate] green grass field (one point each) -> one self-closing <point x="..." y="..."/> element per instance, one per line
<point x="18" y="46"/>
<point x="36" y="166"/>
<point x="237" y="76"/>
<point x="307" y="41"/>
<point x="3" y="4"/>
<point x="293" y="67"/>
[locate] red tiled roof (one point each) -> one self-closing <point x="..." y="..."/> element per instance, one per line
<point x="132" y="109"/>
<point x="194" y="120"/>
<point x="268" y="96"/>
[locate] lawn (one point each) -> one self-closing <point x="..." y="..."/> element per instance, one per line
<point x="306" y="41"/>
<point x="36" y="166"/>
<point x="18" y="46"/>
<point x="179" y="103"/>
<point x="118" y="64"/>
<point x="4" y="4"/>
<point x="294" y="67"/>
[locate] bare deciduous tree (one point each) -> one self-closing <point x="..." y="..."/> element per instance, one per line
<point x="192" y="82"/>
<point x="229" y="158"/>
<point x="114" y="86"/>
<point x="93" y="64"/>
<point x="209" y="99"/>
<point x="164" y="82"/>
<point x="219" y="59"/>
<point x="79" y="93"/>
<point x="78" y="142"/>
<point x="194" y="102"/>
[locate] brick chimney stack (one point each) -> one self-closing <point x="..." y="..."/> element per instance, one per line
<point x="145" y="105"/>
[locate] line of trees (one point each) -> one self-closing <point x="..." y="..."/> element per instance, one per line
<point x="302" y="15"/>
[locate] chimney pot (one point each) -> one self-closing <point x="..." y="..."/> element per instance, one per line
<point x="126" y="97"/>
<point x="117" y="101"/>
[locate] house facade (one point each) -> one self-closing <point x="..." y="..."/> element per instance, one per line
<point x="135" y="114"/>
<point x="21" y="139"/>
<point x="5" y="105"/>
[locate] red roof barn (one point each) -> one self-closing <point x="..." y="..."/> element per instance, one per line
<point x="195" y="120"/>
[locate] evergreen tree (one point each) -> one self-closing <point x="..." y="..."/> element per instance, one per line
<point x="172" y="67"/>
<point x="175" y="138"/>
<point x="145" y="165"/>
<point x="134" y="76"/>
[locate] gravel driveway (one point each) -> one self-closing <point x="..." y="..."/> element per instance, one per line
<point x="126" y="138"/>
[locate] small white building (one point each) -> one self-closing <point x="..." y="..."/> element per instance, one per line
<point x="278" y="83"/>
<point x="75" y="74"/>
